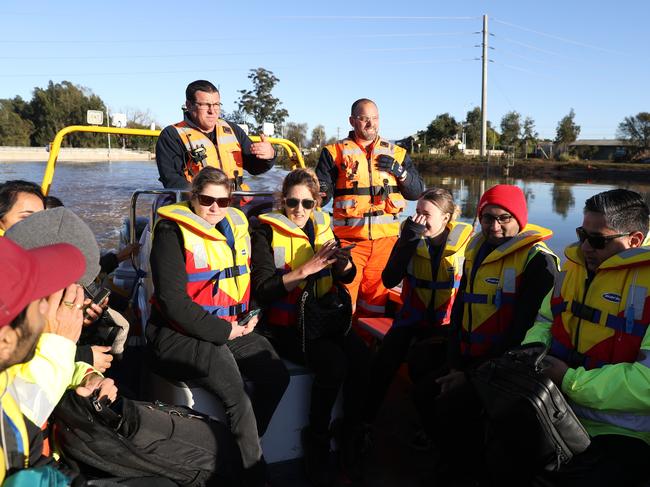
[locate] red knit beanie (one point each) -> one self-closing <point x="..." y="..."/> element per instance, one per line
<point x="510" y="198"/>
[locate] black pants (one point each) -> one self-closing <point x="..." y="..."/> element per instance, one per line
<point x="341" y="361"/>
<point x="424" y="355"/>
<point x="250" y="358"/>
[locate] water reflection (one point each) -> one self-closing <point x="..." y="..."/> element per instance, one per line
<point x="100" y="194"/>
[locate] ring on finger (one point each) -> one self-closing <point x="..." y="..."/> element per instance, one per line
<point x="68" y="304"/>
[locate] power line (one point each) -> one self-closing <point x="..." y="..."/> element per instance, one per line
<point x="220" y="39"/>
<point x="372" y="17"/>
<point x="229" y="53"/>
<point x="562" y="39"/>
<point x="534" y="48"/>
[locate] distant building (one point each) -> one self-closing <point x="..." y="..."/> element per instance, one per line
<point x="601" y="149"/>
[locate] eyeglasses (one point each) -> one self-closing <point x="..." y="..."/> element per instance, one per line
<point x="205" y="106"/>
<point x="205" y="200"/>
<point x="294" y="202"/>
<point x="364" y="119"/>
<point x="487" y="219"/>
<point x="597" y="242"/>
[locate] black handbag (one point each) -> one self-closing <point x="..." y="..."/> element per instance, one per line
<point x="327" y="316"/>
<point x="519" y="398"/>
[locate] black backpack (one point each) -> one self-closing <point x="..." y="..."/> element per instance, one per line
<point x="140" y="439"/>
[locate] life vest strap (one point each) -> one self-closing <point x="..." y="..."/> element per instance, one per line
<point x="426" y="284"/>
<point x="620" y="323"/>
<point x="572" y="357"/>
<point x="366" y="191"/>
<point x="222" y="311"/>
<point x="226" y="273"/>
<point x="581" y="310"/>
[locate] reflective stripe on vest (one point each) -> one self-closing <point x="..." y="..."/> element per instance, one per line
<point x="419" y="286"/>
<point x="291" y="249"/>
<point x="605" y="324"/>
<point x="218" y="277"/>
<point x="492" y="293"/>
<point x="226" y="155"/>
<point x="366" y="200"/>
<point x="634" y="422"/>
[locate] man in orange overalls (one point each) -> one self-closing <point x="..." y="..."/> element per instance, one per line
<point x="370" y="179"/>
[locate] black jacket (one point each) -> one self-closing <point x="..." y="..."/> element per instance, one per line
<point x="180" y="332"/>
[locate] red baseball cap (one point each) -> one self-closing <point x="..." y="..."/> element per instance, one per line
<point x="28" y="275"/>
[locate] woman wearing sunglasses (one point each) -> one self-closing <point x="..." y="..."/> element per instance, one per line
<point x="291" y="246"/>
<point x="200" y="267"/>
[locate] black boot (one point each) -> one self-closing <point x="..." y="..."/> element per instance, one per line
<point x="316" y="450"/>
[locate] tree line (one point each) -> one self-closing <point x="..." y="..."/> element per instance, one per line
<point x="36" y="122"/>
<point x="518" y="135"/>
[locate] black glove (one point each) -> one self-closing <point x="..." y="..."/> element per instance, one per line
<point x="388" y="164"/>
<point x="411" y="231"/>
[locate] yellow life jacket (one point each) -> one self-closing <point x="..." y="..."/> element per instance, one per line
<point x="367" y="201"/>
<point x="490" y="293"/>
<point x="201" y="152"/>
<point x="16" y="434"/>
<point x="291" y="249"/>
<point x="218" y="276"/>
<point x="606" y="322"/>
<point x="438" y="278"/>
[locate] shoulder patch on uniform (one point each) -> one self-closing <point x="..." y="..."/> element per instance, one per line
<point x="383" y="143"/>
<point x="227" y="130"/>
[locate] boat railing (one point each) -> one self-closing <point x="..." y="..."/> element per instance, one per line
<point x="291" y="149"/>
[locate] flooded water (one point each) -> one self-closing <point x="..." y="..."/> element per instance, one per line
<point x="100" y="194"/>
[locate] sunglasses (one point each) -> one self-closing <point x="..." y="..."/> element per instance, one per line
<point x="205" y="200"/>
<point x="597" y="242"/>
<point x="294" y="202"/>
<point x="487" y="219"/>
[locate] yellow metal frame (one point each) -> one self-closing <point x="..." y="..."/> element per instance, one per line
<point x="292" y="151"/>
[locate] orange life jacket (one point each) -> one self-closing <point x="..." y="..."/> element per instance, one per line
<point x="367" y="201"/>
<point x="201" y="152"/>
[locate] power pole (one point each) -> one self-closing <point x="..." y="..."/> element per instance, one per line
<point x="338" y="133"/>
<point x="484" y="90"/>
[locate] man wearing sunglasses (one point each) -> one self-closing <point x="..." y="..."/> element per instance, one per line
<point x="370" y="179"/>
<point x="508" y="270"/>
<point x="596" y="324"/>
<point x="203" y="139"/>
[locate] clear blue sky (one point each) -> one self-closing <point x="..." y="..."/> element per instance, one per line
<point x="415" y="58"/>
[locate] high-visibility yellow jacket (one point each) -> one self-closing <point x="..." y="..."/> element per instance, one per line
<point x="291" y="249"/>
<point x="367" y="201"/>
<point x="218" y="276"/>
<point x="604" y="326"/>
<point x="436" y="277"/>
<point x="226" y="155"/>
<point x="490" y="290"/>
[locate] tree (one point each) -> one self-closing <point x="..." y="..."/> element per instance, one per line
<point x="567" y="131"/>
<point x="636" y="130"/>
<point x="60" y="105"/>
<point x="510" y="128"/>
<point x="14" y="130"/>
<point x="318" y="136"/>
<point x="259" y="102"/>
<point x="441" y="131"/>
<point x="529" y="135"/>
<point x="296" y="133"/>
<point x="236" y="116"/>
<point x="473" y="128"/>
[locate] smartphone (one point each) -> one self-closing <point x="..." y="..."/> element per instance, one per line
<point x="96" y="293"/>
<point x="248" y="316"/>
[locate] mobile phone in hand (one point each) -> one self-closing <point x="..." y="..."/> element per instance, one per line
<point x="248" y="316"/>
